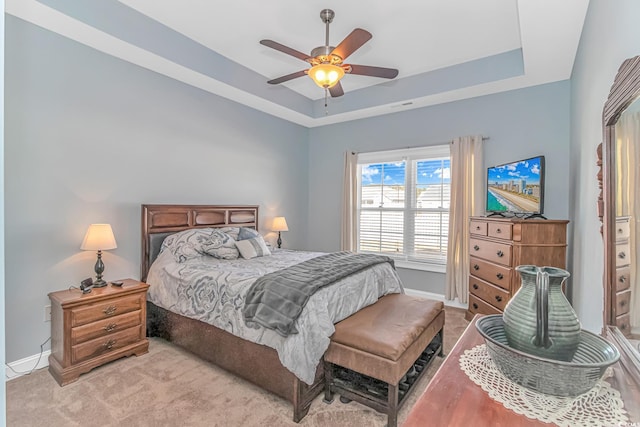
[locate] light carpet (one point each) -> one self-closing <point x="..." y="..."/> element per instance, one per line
<point x="171" y="387"/>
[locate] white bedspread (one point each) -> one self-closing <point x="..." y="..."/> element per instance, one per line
<point x="213" y="290"/>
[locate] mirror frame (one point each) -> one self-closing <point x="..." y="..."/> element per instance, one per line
<point x="624" y="91"/>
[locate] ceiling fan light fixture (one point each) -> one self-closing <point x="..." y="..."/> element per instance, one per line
<point x="326" y="75"/>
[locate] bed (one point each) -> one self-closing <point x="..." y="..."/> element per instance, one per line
<point x="261" y="360"/>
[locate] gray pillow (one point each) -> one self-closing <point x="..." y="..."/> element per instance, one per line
<point x="247" y="233"/>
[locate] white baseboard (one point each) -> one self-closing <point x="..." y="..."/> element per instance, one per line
<point x="24" y="366"/>
<point x="438" y="297"/>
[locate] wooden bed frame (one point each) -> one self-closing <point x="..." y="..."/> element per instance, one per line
<point x="255" y="363"/>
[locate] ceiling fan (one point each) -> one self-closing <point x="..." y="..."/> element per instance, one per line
<point x="327" y="61"/>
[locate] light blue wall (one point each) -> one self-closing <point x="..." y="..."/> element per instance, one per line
<point x="520" y="124"/>
<point x="88" y="138"/>
<point x="611" y="34"/>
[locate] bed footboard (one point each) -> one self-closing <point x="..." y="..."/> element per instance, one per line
<point x="255" y="363"/>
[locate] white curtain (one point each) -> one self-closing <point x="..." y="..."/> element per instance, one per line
<point x="627" y="202"/>
<point x="467" y="178"/>
<point x="349" y="201"/>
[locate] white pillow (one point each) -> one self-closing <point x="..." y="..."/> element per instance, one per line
<point x="252" y="248"/>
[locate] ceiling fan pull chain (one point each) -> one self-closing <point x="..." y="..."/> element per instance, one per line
<point x="326" y="94"/>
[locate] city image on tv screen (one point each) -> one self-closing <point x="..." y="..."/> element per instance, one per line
<point x="516" y="187"/>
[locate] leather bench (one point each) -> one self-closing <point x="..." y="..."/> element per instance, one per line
<point x="383" y="343"/>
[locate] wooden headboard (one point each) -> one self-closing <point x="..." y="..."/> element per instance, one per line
<point x="159" y="221"/>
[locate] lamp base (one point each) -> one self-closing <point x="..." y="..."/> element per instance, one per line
<point x="99" y="283"/>
<point x="279" y="240"/>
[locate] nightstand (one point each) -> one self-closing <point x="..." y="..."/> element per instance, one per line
<point x="89" y="330"/>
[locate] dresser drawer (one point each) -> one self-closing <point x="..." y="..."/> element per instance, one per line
<point x="623" y="254"/>
<point x="478" y="228"/>
<point x="499" y="253"/>
<point x="623" y="278"/>
<point x="622" y="229"/>
<point x="623" y="323"/>
<point x="476" y="305"/>
<point x="494" y="274"/>
<point x="494" y="295"/>
<point x="104" y="327"/>
<point x="623" y="299"/>
<point x="104" y="310"/>
<point x="103" y="345"/>
<point x="500" y="231"/>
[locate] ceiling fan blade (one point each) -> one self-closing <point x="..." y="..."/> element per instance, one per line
<point x="288" y="77"/>
<point x="285" y="49"/>
<point x="366" y="70"/>
<point x="352" y="42"/>
<point x="336" y="91"/>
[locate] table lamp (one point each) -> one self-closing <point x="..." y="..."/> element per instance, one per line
<point x="99" y="238"/>
<point x="279" y="224"/>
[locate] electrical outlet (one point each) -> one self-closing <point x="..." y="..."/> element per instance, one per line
<point x="47" y="313"/>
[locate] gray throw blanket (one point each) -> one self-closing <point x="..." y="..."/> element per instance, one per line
<point x="275" y="300"/>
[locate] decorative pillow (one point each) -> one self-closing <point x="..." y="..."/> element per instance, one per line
<point x="252" y="248"/>
<point x="220" y="245"/>
<point x="247" y="233"/>
<point x="196" y="242"/>
<point x="186" y="244"/>
<point x="231" y="231"/>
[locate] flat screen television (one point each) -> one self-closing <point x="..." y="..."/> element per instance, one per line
<point x="516" y="188"/>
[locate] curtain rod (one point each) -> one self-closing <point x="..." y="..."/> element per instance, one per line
<point x="484" y="138"/>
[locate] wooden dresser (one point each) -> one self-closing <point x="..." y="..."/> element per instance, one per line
<point x="88" y="330"/>
<point x="497" y="246"/>
<point x="623" y="274"/>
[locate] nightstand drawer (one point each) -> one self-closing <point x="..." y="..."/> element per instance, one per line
<point x="500" y="231"/>
<point x="492" y="251"/>
<point x="104" y="327"/>
<point x="99" y="346"/>
<point x="494" y="295"/>
<point x="623" y="230"/>
<point x="104" y="310"/>
<point x="494" y="274"/>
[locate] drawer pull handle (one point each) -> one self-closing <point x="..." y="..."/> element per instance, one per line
<point x="498" y="231"/>
<point x="500" y="276"/>
<point x="475" y="286"/>
<point x="475" y="306"/>
<point x="477" y="227"/>
<point x="623" y="303"/>
<point x="623" y="326"/>
<point x="622" y="255"/>
<point x="500" y="254"/>
<point x="110" y="327"/>
<point x="498" y="298"/>
<point x="476" y="248"/>
<point x="476" y="267"/>
<point x="622" y="279"/>
<point x="109" y="344"/>
<point x="110" y="310"/>
<point x="620" y="230"/>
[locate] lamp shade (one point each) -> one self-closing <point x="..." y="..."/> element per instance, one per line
<point x="326" y="75"/>
<point x="279" y="224"/>
<point x="99" y="237"/>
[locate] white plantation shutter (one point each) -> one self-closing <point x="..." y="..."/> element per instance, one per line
<point x="404" y="203"/>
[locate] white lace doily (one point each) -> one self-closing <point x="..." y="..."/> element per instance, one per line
<point x="599" y="406"/>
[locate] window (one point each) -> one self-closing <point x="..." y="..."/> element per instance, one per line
<point x="404" y="204"/>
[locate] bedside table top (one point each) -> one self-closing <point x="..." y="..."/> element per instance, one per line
<point x="70" y="297"/>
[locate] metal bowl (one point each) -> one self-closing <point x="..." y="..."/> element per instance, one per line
<point x="549" y="376"/>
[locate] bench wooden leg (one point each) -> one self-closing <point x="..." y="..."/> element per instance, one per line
<point x="328" y="380"/>
<point x="441" y="335"/>
<point x="392" y="406"/>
